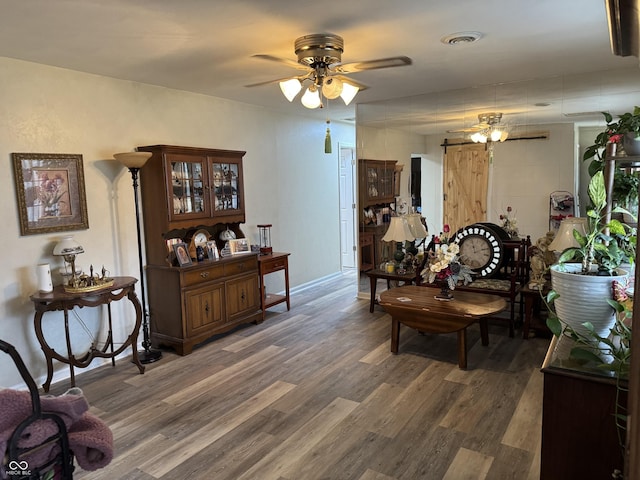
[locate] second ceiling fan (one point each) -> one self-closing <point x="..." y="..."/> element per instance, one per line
<point x="320" y="59"/>
<point x="488" y="128"/>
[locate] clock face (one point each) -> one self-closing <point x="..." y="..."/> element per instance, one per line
<point x="201" y="237"/>
<point x="480" y="249"/>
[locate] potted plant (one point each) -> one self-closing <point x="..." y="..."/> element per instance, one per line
<point x="580" y="291"/>
<point x="625" y="131"/>
<point x="629" y="126"/>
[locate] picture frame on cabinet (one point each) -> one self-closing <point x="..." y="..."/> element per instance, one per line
<point x="212" y="250"/>
<point x="50" y="192"/>
<point x="182" y="254"/>
<point x="239" y="245"/>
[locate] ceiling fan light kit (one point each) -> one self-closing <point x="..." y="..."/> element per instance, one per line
<point x="489" y="128"/>
<point x="320" y="54"/>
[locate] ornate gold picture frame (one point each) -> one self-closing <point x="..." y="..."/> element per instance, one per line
<point x="50" y="191"/>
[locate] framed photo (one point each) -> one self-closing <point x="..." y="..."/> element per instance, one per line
<point x="50" y="191"/>
<point x="182" y="254"/>
<point x="239" y="245"/>
<point x="212" y="250"/>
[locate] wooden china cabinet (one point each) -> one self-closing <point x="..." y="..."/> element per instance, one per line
<point x="189" y="190"/>
<point x="378" y="182"/>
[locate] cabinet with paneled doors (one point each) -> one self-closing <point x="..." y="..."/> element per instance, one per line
<point x="195" y="195"/>
<point x="376" y="182"/>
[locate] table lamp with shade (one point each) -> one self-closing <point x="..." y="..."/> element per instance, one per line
<point x="134" y="161"/>
<point x="564" y="238"/>
<point x="418" y="230"/>
<point x="68" y="249"/>
<point x="398" y="232"/>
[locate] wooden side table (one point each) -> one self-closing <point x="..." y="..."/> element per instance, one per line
<point x="270" y="263"/>
<point x="59" y="299"/>
<point x="375" y="274"/>
<point x="532" y="300"/>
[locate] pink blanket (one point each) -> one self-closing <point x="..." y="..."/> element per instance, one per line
<point x="90" y="439"/>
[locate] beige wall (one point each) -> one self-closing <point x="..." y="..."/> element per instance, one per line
<point x="290" y="183"/>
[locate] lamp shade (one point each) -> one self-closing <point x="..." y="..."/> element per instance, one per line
<point x="311" y="98"/>
<point x="67" y="246"/>
<point x="398" y="231"/>
<point x="496" y="135"/>
<point x="479" y="137"/>
<point x="564" y="238"/>
<point x="290" y="88"/>
<point x="132" y="159"/>
<point x="417" y="228"/>
<point x="348" y="92"/>
<point x="332" y="88"/>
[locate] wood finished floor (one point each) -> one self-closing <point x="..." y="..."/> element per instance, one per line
<point x="314" y="393"/>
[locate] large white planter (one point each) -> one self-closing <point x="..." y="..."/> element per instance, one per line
<point x="583" y="298"/>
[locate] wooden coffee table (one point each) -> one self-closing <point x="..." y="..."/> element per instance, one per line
<point x="417" y="307"/>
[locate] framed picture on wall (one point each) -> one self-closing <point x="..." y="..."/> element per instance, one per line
<point x="50" y="192"/>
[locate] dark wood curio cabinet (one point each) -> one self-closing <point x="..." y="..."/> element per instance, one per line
<point x="378" y="182"/>
<point x="184" y="190"/>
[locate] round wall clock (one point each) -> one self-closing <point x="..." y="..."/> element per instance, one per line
<point x="481" y="248"/>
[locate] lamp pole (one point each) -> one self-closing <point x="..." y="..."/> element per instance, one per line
<point x="134" y="161"/>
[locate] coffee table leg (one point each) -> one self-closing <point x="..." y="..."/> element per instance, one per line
<point x="462" y="348"/>
<point x="484" y="331"/>
<point x="395" y="335"/>
<point x="528" y="309"/>
<point x="373" y="283"/>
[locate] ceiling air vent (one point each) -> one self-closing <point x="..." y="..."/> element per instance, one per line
<point x="461" y="38"/>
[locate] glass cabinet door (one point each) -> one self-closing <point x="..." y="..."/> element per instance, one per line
<point x="386" y="181"/>
<point x="226" y="188"/>
<point x="372" y="183"/>
<point x="187" y="187"/>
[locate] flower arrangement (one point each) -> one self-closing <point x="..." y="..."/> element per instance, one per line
<point x="443" y="264"/>
<point x="509" y="222"/>
<point x="50" y="193"/>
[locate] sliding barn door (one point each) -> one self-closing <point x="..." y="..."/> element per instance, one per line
<point x="466" y="179"/>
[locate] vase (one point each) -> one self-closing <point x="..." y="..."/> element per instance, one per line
<point x="631" y="143"/>
<point x="445" y="292"/>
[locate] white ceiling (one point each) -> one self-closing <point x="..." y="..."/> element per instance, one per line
<point x="537" y="51"/>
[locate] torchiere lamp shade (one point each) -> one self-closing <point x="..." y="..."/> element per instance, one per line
<point x="132" y="159"/>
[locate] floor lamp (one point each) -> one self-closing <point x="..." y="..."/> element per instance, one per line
<point x="134" y="161"/>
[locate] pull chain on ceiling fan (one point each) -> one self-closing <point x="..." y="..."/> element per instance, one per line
<point x="320" y="56"/>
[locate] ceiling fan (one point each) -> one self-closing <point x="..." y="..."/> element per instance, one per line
<point x="489" y="127"/>
<point x="320" y="59"/>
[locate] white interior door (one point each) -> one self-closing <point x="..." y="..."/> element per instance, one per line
<point x="347" y="207"/>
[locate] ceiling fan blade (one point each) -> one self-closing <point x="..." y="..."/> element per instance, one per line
<point x="278" y="80"/>
<point x="286" y="61"/>
<point x="465" y="130"/>
<point x="371" y="64"/>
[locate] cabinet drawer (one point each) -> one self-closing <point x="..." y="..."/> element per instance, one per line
<point x="242" y="266"/>
<point x="366" y="239"/>
<point x="195" y="277"/>
<point x="274" y="265"/>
